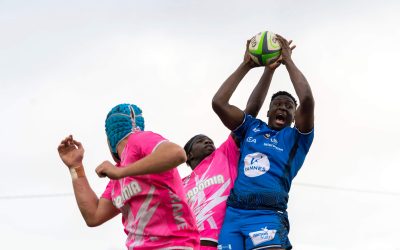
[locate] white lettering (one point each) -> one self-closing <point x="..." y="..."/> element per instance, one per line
<point x="217" y="179"/>
<point x="132" y="189"/>
<point x="177" y="211"/>
<point x="273" y="146"/>
<point x="251" y="139"/>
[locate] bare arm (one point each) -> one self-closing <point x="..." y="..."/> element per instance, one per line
<point x="230" y="115"/>
<point x="94" y="211"/>
<point x="257" y="97"/>
<point x="304" y="117"/>
<point x="166" y="156"/>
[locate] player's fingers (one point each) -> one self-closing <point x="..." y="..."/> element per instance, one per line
<point x="99" y="171"/>
<point x="293" y="47"/>
<point x="78" y="144"/>
<point x="65" y="139"/>
<point x="61" y="146"/>
<point x="282" y="40"/>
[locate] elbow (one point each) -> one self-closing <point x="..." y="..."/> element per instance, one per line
<point x="92" y="223"/>
<point x="179" y="155"/>
<point x="216" y="105"/>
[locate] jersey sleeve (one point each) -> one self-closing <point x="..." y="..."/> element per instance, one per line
<point x="146" y="143"/>
<point x="232" y="153"/>
<point x="107" y="192"/>
<point x="305" y="140"/>
<point x="229" y="146"/>
<point x="240" y="132"/>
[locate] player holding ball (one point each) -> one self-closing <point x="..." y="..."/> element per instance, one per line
<point x="271" y="154"/>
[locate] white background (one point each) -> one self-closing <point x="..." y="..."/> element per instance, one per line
<point x="64" y="64"/>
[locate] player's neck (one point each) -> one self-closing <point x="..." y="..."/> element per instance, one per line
<point x="121" y="146"/>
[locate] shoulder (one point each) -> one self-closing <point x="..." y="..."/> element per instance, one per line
<point x="296" y="132"/>
<point x="141" y="137"/>
<point x="293" y="134"/>
<point x="147" y="141"/>
<point x="249" y="122"/>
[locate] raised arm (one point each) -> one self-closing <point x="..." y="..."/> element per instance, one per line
<point x="94" y="211"/>
<point x="304" y="117"/>
<point x="230" y="115"/>
<point x="166" y="156"/>
<point x="257" y="97"/>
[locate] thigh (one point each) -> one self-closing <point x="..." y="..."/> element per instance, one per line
<point x="266" y="230"/>
<point x="230" y="237"/>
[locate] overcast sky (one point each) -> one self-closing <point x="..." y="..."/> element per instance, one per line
<point x="65" y="64"/>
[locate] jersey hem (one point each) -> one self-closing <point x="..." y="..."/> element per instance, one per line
<point x="244" y="119"/>
<point x="209" y="239"/>
<point x="306" y="133"/>
<point x="158" y="144"/>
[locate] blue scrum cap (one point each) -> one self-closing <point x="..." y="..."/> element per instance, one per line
<point x="121" y="121"/>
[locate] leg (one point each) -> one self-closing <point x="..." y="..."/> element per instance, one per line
<point x="230" y="237"/>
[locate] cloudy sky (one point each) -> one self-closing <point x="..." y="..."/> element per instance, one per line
<point x="64" y="64"/>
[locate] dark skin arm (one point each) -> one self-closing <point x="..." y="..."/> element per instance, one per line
<point x="304" y="117"/>
<point x="230" y="115"/>
<point x="257" y="97"/>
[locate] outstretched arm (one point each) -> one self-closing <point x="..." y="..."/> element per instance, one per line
<point x="257" y="97"/>
<point x="166" y="156"/>
<point x="304" y="117"/>
<point x="95" y="211"/>
<point x="230" y="115"/>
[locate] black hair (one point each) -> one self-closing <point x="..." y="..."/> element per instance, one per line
<point x="188" y="146"/>
<point x="284" y="93"/>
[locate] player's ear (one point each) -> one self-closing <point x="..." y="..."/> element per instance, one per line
<point x="189" y="157"/>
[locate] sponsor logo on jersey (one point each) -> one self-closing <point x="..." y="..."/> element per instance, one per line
<point x="177" y="208"/>
<point x="262" y="236"/>
<point x="217" y="179"/>
<point x="256" y="164"/>
<point x="266" y="144"/>
<point x="251" y="140"/>
<point x="225" y="247"/>
<point x="127" y="192"/>
<point x="267" y="136"/>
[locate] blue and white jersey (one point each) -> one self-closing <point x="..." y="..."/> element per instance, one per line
<point x="269" y="160"/>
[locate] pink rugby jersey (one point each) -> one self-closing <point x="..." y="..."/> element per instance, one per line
<point x="208" y="187"/>
<point x="154" y="209"/>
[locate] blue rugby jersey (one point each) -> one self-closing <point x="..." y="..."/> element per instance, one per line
<point x="264" y="171"/>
